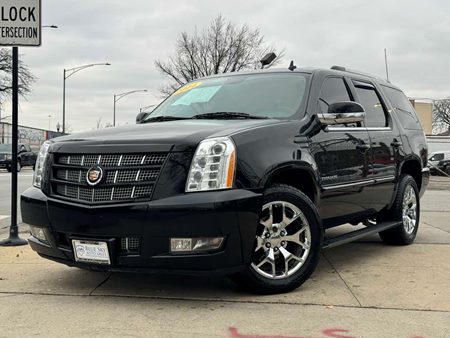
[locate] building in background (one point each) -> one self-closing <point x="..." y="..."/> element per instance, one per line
<point x="27" y="135"/>
<point x="424" y="109"/>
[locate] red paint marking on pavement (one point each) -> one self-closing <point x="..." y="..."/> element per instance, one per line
<point x="327" y="333"/>
<point x="336" y="333"/>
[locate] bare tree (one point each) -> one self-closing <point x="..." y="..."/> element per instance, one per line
<point x="99" y="123"/>
<point x="441" y="115"/>
<point x="26" y="78"/>
<point x="221" y="48"/>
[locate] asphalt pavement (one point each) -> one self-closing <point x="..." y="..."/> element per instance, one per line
<point x="362" y="289"/>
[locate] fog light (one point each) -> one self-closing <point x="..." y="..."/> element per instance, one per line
<point x="195" y="244"/>
<point x="38" y="233"/>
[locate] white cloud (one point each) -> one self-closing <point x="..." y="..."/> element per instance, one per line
<point x="131" y="35"/>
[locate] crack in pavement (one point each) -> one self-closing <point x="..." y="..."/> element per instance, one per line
<point x="24" y="293"/>
<point x="435" y="227"/>
<point x="101" y="283"/>
<point x="345" y="283"/>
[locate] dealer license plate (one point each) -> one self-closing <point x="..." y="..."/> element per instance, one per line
<point x="91" y="251"/>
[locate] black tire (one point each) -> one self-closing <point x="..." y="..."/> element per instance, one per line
<point x="399" y="235"/>
<point x="255" y="282"/>
<point x="9" y="169"/>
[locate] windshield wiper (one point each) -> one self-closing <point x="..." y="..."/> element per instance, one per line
<point x="227" y="115"/>
<point x="164" y="118"/>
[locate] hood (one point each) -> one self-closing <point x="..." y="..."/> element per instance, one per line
<point x="178" y="135"/>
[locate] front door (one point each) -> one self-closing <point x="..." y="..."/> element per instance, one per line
<point x="342" y="155"/>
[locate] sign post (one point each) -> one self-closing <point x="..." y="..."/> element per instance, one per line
<point x="20" y="26"/>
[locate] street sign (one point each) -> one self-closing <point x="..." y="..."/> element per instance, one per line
<point x="20" y="23"/>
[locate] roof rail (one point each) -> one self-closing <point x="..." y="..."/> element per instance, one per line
<point x="353" y="71"/>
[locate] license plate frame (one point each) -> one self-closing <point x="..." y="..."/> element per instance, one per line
<point x="91" y="251"/>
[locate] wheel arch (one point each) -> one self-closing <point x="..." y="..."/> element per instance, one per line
<point x="412" y="167"/>
<point x="298" y="175"/>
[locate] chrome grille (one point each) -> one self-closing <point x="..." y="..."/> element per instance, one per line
<point x="126" y="177"/>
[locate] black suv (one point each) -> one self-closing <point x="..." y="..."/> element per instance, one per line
<point x="239" y="174"/>
<point x="25" y="156"/>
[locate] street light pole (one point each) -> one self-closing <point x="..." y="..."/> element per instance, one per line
<point x="64" y="103"/>
<point x="117" y="97"/>
<point x="68" y="73"/>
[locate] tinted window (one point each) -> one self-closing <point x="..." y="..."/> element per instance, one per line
<point x="403" y="108"/>
<point x="276" y="95"/>
<point x="375" y="115"/>
<point x="333" y="90"/>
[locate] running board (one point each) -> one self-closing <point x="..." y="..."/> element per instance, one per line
<point x="357" y="234"/>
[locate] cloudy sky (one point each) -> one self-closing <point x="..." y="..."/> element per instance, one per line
<point x="132" y="34"/>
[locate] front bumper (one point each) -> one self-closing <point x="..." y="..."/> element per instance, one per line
<point x="232" y="214"/>
<point x="5" y="164"/>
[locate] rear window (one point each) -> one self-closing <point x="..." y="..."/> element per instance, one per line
<point x="402" y="108"/>
<point x="368" y="97"/>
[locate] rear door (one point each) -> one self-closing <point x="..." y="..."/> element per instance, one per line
<point x="385" y="140"/>
<point x="342" y="155"/>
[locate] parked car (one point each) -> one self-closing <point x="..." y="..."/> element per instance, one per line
<point x="443" y="168"/>
<point x="25" y="157"/>
<point x="239" y="174"/>
<point x="438" y="162"/>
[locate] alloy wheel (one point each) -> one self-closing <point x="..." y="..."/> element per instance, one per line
<point x="409" y="211"/>
<point x="283" y="240"/>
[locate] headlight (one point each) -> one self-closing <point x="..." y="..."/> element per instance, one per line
<point x="8" y="157"/>
<point x="40" y="162"/>
<point x="213" y="165"/>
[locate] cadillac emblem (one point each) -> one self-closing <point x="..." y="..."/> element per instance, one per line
<point x="94" y="175"/>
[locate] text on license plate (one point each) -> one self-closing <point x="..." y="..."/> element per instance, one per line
<point x="91" y="251"/>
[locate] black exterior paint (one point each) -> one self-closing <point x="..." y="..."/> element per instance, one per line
<point x="353" y="172"/>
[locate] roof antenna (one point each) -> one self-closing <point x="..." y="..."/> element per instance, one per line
<point x="386" y="65"/>
<point x="267" y="59"/>
<point x="292" y="66"/>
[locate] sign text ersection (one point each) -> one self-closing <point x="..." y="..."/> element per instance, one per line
<point x="20" y="23"/>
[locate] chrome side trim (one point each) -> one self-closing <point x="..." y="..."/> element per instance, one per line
<point x="384" y="179"/>
<point x="330" y="128"/>
<point x="425" y="169"/>
<point x="348" y="185"/>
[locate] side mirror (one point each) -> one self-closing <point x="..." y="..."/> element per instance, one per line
<point x="141" y="117"/>
<point x="343" y="112"/>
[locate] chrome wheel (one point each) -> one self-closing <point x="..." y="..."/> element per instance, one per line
<point x="283" y="240"/>
<point x="409" y="210"/>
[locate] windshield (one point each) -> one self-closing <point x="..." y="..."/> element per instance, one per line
<point x="274" y="95"/>
<point x="5" y="148"/>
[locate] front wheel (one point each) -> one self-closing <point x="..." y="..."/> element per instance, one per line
<point x="287" y="245"/>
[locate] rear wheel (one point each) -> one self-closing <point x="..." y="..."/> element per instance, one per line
<point x="287" y="243"/>
<point x="406" y="209"/>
